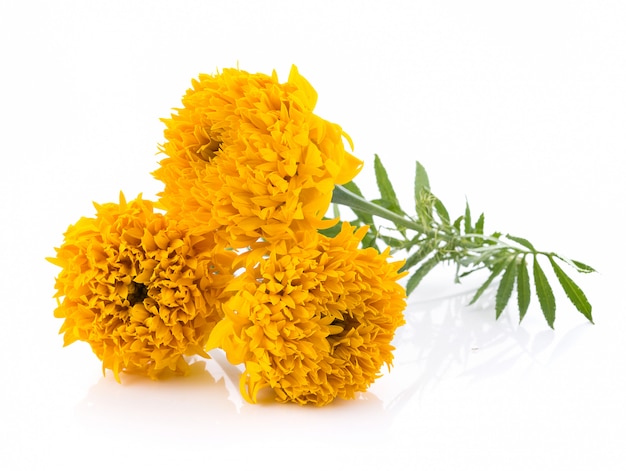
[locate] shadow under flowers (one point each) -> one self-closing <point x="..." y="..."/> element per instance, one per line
<point x="206" y="406"/>
<point x="140" y="405"/>
<point x="342" y="420"/>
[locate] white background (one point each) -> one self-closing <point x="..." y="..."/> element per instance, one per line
<point x="518" y="106"/>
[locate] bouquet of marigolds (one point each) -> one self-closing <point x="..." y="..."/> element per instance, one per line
<point x="245" y="251"/>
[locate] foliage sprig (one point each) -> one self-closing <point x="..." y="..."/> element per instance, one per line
<point x="431" y="237"/>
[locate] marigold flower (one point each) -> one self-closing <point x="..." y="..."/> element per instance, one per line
<point x="248" y="160"/>
<point x="314" y="320"/>
<point x="139" y="288"/>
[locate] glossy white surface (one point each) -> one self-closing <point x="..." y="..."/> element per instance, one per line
<point x="521" y="109"/>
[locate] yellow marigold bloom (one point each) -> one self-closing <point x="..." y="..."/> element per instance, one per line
<point x="139" y="288"/>
<point x="247" y="159"/>
<point x="314" y="320"/>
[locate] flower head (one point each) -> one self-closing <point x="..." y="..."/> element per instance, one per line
<point x="314" y="320"/>
<point x="139" y="288"/>
<point x="248" y="160"/>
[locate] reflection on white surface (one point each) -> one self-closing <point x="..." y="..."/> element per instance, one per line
<point x="445" y="338"/>
<point x="209" y="400"/>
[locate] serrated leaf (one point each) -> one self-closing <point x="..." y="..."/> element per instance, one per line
<point x="495" y="235"/>
<point x="581" y="267"/>
<point x="392" y="241"/>
<point x="544" y="293"/>
<point x="370" y="240"/>
<point x="573" y="292"/>
<point x="523" y="288"/>
<point x="420" y="273"/>
<point x="385" y="204"/>
<point x="387" y="193"/>
<point x="417" y="257"/>
<point x="505" y="288"/>
<point x="495" y="271"/>
<point x="480" y="224"/>
<point x="421" y="181"/>
<point x="482" y="258"/>
<point x="467" y="219"/>
<point x="442" y="211"/>
<point x="521" y="241"/>
<point x="469" y="272"/>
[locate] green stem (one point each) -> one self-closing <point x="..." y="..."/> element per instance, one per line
<point x="345" y="197"/>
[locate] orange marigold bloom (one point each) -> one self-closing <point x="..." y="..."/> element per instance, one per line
<point x="247" y="159"/>
<point x="139" y="288"/>
<point x="314" y="320"/>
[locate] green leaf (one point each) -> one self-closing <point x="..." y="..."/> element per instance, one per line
<point x="457" y="223"/>
<point x="392" y="241"/>
<point x="581" y="267"/>
<point x="370" y="240"/>
<point x="505" y="288"/>
<point x="523" y="288"/>
<point x="521" y="241"/>
<point x="495" y="235"/>
<point x="424" y="199"/>
<point x="469" y="272"/>
<point x="481" y="258"/>
<point x="353" y="187"/>
<point x="544" y="293"/>
<point x="331" y="231"/>
<point x="442" y="211"/>
<point x="468" y="219"/>
<point x="495" y="271"/>
<point x="417" y="257"/>
<point x="421" y="181"/>
<point x="480" y="224"/>
<point x="420" y="273"/>
<point x="386" y="204"/>
<point x="573" y="292"/>
<point x="387" y="193"/>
